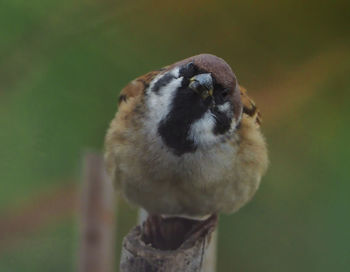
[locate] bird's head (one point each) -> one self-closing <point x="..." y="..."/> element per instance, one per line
<point x="194" y="103"/>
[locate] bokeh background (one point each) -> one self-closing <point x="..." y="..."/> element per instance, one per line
<point x="63" y="63"/>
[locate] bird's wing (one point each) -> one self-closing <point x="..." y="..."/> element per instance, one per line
<point x="137" y="86"/>
<point x="129" y="98"/>
<point x="249" y="106"/>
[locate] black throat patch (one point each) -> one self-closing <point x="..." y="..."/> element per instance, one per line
<point x="222" y="122"/>
<point x="186" y="108"/>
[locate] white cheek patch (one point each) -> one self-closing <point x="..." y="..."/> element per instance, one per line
<point x="235" y="122"/>
<point x="159" y="103"/>
<point x="151" y="85"/>
<point x="201" y="131"/>
<point x="224" y="107"/>
<point x="175" y="72"/>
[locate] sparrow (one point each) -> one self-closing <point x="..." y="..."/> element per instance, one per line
<point x="186" y="141"/>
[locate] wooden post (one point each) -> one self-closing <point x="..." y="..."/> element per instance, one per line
<point x="169" y="245"/>
<point x="97" y="218"/>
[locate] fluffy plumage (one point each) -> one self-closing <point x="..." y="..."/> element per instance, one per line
<point x="186" y="140"/>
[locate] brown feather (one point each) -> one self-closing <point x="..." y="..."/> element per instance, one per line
<point x="137" y="86"/>
<point x="249" y="106"/>
<point x="222" y="179"/>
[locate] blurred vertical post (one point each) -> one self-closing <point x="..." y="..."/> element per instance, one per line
<point x="209" y="263"/>
<point x="97" y="218"/>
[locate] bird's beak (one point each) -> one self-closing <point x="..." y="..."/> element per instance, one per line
<point x="202" y="84"/>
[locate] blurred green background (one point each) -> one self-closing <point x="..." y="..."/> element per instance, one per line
<point x="62" y="64"/>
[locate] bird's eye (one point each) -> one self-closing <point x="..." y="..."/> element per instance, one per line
<point x="224" y="93"/>
<point x="189" y="70"/>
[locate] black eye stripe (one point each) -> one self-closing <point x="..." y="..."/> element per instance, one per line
<point x="186" y="108"/>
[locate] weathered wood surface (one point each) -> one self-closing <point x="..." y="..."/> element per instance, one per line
<point x="168" y="245"/>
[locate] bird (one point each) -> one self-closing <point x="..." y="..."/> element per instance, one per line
<point x="186" y="141"/>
